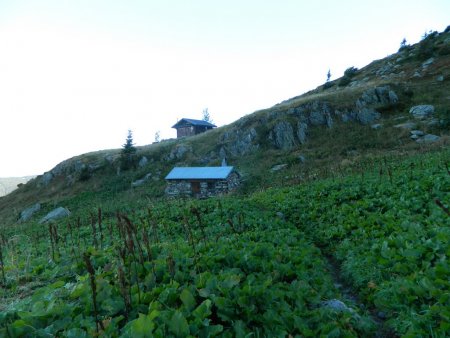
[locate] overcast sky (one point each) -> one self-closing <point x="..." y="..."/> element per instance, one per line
<point x="75" y="75"/>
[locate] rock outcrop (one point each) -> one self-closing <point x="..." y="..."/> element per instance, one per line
<point x="57" y="213"/>
<point x="238" y="142"/>
<point x="422" y="111"/>
<point x="26" y="214"/>
<point x="282" y="136"/>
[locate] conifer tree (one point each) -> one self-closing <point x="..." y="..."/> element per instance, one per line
<point x="128" y="154"/>
<point x="206" y="116"/>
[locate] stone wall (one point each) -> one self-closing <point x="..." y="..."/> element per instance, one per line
<point x="208" y="188"/>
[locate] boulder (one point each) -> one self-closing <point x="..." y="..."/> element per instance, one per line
<point x="417" y="132"/>
<point x="422" y="111"/>
<point x="428" y="138"/>
<point x="26" y="214"/>
<point x="282" y="136"/>
<point x="367" y="115"/>
<point x="440" y="78"/>
<point x="57" y="213"/>
<point x="337" y="305"/>
<point x="141" y="181"/>
<point x="278" y="167"/>
<point x="376" y="126"/>
<point x="427" y="63"/>
<point x="406" y="125"/>
<point x="178" y="152"/>
<point x="143" y="162"/>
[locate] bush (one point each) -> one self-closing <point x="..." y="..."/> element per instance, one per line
<point x="350" y="72"/>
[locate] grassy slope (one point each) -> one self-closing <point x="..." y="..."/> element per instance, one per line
<point x="345" y="145"/>
<point x="260" y="264"/>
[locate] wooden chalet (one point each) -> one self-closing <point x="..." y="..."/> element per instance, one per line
<point x="189" y="127"/>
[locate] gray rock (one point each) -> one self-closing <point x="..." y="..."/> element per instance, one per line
<point x="280" y="215"/>
<point x="378" y="97"/>
<point x="26" y="214"/>
<point x="422" y="111"/>
<point x="239" y="142"/>
<point x="301" y="132"/>
<point x="427" y="63"/>
<point x="428" y="138"/>
<point x="434" y="122"/>
<point x="57" y="213"/>
<point x="367" y="115"/>
<point x="278" y="167"/>
<point x="282" y="136"/>
<point x="143" y="162"/>
<point x="317" y="118"/>
<point x="414" y="137"/>
<point x="178" y="152"/>
<point x="440" y="78"/>
<point x="302" y="158"/>
<point x="47" y="178"/>
<point x="329" y="120"/>
<point x="337" y="305"/>
<point x="406" y="125"/>
<point x="141" y="181"/>
<point x="376" y="126"/>
<point x="417" y="132"/>
<point x="417" y="74"/>
<point x="222" y="153"/>
<point x="385" y="69"/>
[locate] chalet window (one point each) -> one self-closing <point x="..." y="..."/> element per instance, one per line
<point x="195" y="186"/>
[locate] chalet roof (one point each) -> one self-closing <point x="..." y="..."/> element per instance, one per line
<point x="197" y="173"/>
<point x="193" y="122"/>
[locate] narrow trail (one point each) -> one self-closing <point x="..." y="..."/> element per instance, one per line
<point x="350" y="295"/>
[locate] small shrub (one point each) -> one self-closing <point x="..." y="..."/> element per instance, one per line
<point x="350" y="72"/>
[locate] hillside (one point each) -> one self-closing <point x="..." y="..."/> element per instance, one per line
<point x="363" y="114"/>
<point x="339" y="228"/>
<point x="8" y="184"/>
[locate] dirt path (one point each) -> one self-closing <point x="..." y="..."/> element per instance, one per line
<point x="350" y="295"/>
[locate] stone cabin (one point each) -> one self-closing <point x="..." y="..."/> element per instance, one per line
<point x="189" y="127"/>
<point x="201" y="182"/>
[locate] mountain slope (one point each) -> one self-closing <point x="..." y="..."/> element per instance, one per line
<point x="337" y="126"/>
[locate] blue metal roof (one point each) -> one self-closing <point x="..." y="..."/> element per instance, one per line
<point x="198" y="173"/>
<point x="194" y="123"/>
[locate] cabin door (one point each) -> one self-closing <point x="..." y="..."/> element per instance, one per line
<point x="195" y="186"/>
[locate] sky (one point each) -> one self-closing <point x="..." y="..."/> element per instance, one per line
<point x="76" y="75"/>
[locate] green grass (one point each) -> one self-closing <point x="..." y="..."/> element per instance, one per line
<point x="233" y="266"/>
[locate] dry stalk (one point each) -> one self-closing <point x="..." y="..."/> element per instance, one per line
<point x="91" y="271"/>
